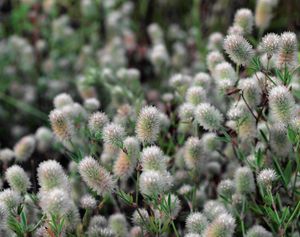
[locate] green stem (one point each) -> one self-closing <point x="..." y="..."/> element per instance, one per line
<point x="174" y="228"/>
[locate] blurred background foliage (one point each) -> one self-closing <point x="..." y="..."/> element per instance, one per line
<point x="47" y="45"/>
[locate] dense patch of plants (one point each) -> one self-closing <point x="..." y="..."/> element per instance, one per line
<point x="171" y="135"/>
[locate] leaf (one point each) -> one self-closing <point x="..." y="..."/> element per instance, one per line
<point x="288" y="172"/>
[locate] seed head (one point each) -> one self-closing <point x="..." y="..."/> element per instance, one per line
<point x="279" y="141"/>
<point x="55" y="202"/>
<point x="226" y="188"/>
<point x="251" y="91"/>
<point x="88" y="202"/>
<point x="208" y="117"/>
<point x="92" y="104"/>
<point x="175" y="205"/>
<point x="238" y="49"/>
<point x="196" y="223"/>
<point x="153" y="182"/>
<point x="258" y="231"/>
<point x="282" y="104"/>
<point x="132" y="146"/>
<point x="95" y="176"/>
<point x="118" y="224"/>
<point x="270" y="44"/>
<point x="113" y="134"/>
<point x="287" y="55"/>
<point x="44" y="138"/>
<point x="244" y="18"/>
<point x="124" y="165"/>
<point x="213" y="209"/>
<point x="210" y="142"/>
<point x="148" y="125"/>
<point x="266" y="177"/>
<point x="141" y="217"/>
<point x="215" y="41"/>
<point x="10" y="198"/>
<point x="195" y="95"/>
<point x="17" y="178"/>
<point x="213" y="59"/>
<point x="61" y="125"/>
<point x="6" y="155"/>
<point x="51" y="175"/>
<point x="3" y="215"/>
<point x="152" y="158"/>
<point x="193" y="152"/>
<point x="186" y="112"/>
<point x="263" y="13"/>
<point x="24" y="148"/>
<point x="222" y="226"/>
<point x="192" y="235"/>
<point x="62" y="100"/>
<point x="202" y="79"/>
<point x="244" y="180"/>
<point x="97" y="121"/>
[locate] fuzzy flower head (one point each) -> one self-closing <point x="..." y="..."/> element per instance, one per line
<point x="55" y="202"/>
<point x="153" y="182"/>
<point x="251" y="91"/>
<point x="213" y="59"/>
<point x="270" y="44"/>
<point x="141" y="217"/>
<point x="132" y="147"/>
<point x="124" y="165"/>
<point x="96" y="176"/>
<point x="238" y="49"/>
<point x="213" y="209"/>
<point x="282" y="104"/>
<point x="88" y="201"/>
<point x="24" y="148"/>
<point x="222" y="226"/>
<point x="6" y="155"/>
<point x="152" y="158"/>
<point x="196" y="223"/>
<point x="51" y="175"/>
<point x="258" y="231"/>
<point x="244" y="180"/>
<point x="96" y="122"/>
<point x="215" y="41"/>
<point x="44" y="138"/>
<point x="266" y="177"/>
<point x="113" y="134"/>
<point x="210" y="142"/>
<point x="287" y="55"/>
<point x="62" y="100"/>
<point x="118" y="224"/>
<point x="91" y="104"/>
<point x="202" y="79"/>
<point x="10" y="198"/>
<point x="61" y="125"/>
<point x="263" y="13"/>
<point x="208" y="117"/>
<point x="193" y="152"/>
<point x="195" y="95"/>
<point x="148" y="125"/>
<point x="226" y="188"/>
<point x="175" y="205"/>
<point x="244" y="19"/>
<point x="186" y="112"/>
<point x="3" y="215"/>
<point x="17" y="178"/>
<point x="279" y="141"/>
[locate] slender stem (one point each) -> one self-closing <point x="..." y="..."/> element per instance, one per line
<point x="174" y="228"/>
<point x="248" y="106"/>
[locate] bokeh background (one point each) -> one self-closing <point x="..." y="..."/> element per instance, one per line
<point x="47" y="45"/>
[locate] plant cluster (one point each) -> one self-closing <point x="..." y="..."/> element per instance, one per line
<point x="213" y="151"/>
